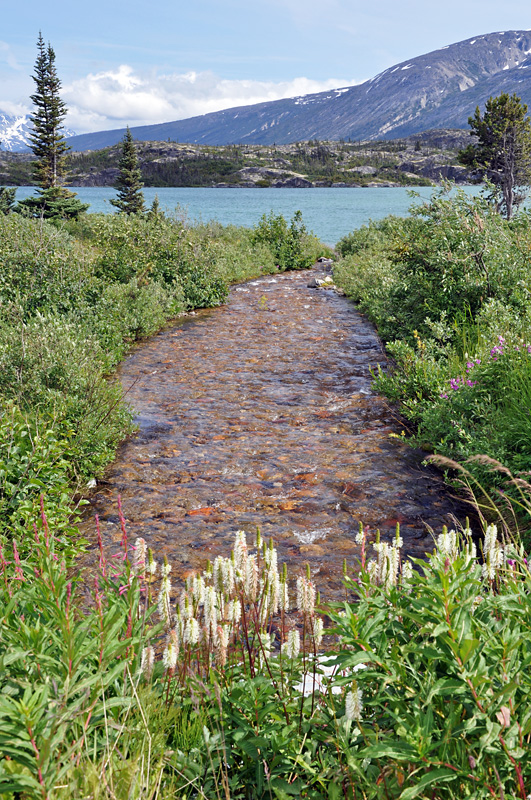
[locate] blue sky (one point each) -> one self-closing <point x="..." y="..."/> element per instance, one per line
<point x="141" y="61"/>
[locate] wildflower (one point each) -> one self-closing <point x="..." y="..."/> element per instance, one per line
<point x="443" y="396"/>
<point x="151" y="567"/>
<point x="292" y="646"/>
<point x="210" y="610"/>
<point x="240" y="551"/>
<point x="305" y="595"/>
<point x="147" y="662"/>
<point x="353" y="702"/>
<point x="493" y="553"/>
<point x="283" y="600"/>
<point x="447" y="544"/>
<point x="234" y="612"/>
<point x="139" y="559"/>
<point x="191" y="631"/>
<point x="251" y="577"/>
<point x="198" y="589"/>
<point x="471" y="383"/>
<point x="318" y="631"/>
<point x="222" y="642"/>
<point x="164" y="594"/>
<point x="171" y="651"/>
<point x="407" y="572"/>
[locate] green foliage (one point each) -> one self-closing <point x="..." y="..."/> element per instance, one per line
<point x="426" y="690"/>
<point x="55" y="203"/>
<point x="7" y="199"/>
<point x="503" y="149"/>
<point x="130" y="198"/>
<point x="287" y="241"/>
<point x="441" y="287"/>
<point x="66" y="675"/>
<point x="446" y="653"/>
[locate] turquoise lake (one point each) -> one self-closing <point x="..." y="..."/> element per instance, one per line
<point x="329" y="213"/>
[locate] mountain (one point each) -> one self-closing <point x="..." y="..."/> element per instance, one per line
<point x="14" y="133"/>
<point x="437" y="90"/>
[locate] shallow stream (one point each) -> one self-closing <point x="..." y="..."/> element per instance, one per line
<point x="261" y="414"/>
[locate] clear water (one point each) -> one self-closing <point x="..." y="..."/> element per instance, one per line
<point x="329" y="213"/>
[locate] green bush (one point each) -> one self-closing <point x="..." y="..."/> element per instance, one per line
<point x="288" y="242"/>
<point x="442" y="287"/>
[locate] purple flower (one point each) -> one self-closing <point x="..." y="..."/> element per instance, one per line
<point x="471" y="383"/>
<point x="469" y="365"/>
<point x="444" y="396"/>
<point x="478" y="361"/>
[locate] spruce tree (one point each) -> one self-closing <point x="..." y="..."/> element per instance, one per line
<point x="48" y="142"/>
<point x="130" y="197"/>
<point x="502" y="152"/>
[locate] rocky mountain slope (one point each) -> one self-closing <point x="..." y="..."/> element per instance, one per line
<point x="15" y="131"/>
<point x="412" y="161"/>
<point x="439" y="89"/>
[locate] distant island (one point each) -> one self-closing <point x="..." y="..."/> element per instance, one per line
<point x="418" y="160"/>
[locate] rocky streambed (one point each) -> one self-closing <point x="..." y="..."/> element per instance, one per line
<point x="261" y="414"/>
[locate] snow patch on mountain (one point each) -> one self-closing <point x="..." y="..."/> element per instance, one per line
<point x="15" y="132"/>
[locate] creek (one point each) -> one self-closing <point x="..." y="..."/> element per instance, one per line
<point x="260" y="413"/>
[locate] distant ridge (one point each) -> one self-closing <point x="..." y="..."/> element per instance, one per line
<point x="437" y="90"/>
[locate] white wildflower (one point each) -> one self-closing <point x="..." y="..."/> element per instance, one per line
<point x="240" y="551"/>
<point x="284" y="596"/>
<point x="151" y="567"/>
<point x="140" y="556"/>
<point x="171" y="651"/>
<point x="164" y="601"/>
<point x="251" y="577"/>
<point x="292" y="646"/>
<point x="305" y="595"/>
<point x="147" y="662"/>
<point x="353" y="703"/>
<point x="191" y="631"/>
<point x="318" y="631"/>
<point x="210" y="610"/>
<point x="234" y="612"/>
<point x="447" y="545"/>
<point x="198" y="589"/>
<point x="407" y="572"/>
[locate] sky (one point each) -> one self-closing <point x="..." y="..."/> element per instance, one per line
<point x="146" y="61"/>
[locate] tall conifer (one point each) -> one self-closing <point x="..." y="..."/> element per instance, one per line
<point x="130" y="197"/>
<point x="48" y="142"/>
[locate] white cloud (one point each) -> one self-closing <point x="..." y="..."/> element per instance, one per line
<point x="116" y="98"/>
<point x="7" y="56"/>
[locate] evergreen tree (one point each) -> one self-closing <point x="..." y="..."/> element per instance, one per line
<point x="502" y="152"/>
<point x="48" y="143"/>
<point x="7" y="199"/>
<point x="130" y="197"/>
